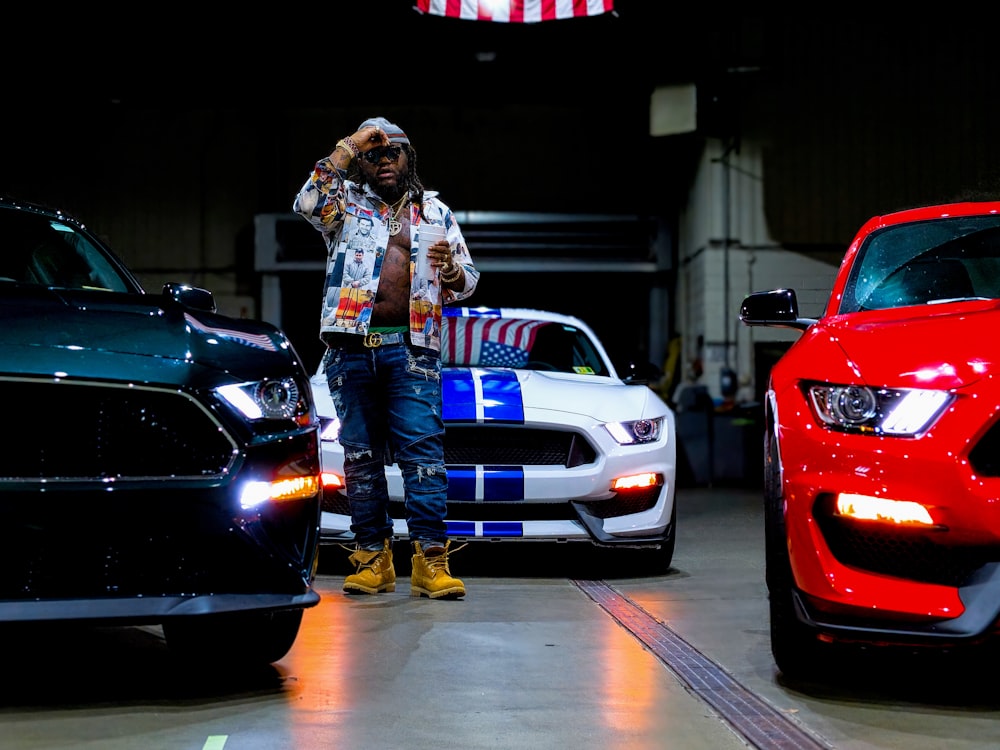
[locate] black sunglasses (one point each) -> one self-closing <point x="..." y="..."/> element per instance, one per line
<point x="375" y="155"/>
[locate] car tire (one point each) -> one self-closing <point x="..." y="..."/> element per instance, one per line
<point x="248" y="638"/>
<point x="658" y="561"/>
<point x="665" y="554"/>
<point x="797" y="653"/>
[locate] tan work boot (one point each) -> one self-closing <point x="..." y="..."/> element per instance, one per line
<point x="373" y="570"/>
<point x="431" y="576"/>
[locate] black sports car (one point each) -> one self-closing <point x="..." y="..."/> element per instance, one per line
<point x="161" y="462"/>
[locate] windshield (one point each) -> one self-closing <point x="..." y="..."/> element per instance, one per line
<point x="519" y="343"/>
<point x="928" y="262"/>
<point x="39" y="249"/>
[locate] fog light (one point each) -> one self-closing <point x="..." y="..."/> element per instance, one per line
<point x="637" y="481"/>
<point x="867" y="508"/>
<point x="281" y="490"/>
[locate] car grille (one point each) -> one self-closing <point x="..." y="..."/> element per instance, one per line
<point x="95" y="431"/>
<point x="514" y="446"/>
<point x="912" y="554"/>
<point x="51" y="563"/>
<point x="626" y="502"/>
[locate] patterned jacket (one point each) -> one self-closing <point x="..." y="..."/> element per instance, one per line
<point x="333" y="204"/>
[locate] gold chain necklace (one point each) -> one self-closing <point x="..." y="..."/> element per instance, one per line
<point x="394" y="223"/>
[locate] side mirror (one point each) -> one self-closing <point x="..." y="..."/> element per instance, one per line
<point x="190" y="296"/>
<point x="640" y="373"/>
<point x="778" y="308"/>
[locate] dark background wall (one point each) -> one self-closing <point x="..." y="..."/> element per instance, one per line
<point x="168" y="131"/>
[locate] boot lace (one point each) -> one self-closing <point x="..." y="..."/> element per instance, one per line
<point x="439" y="560"/>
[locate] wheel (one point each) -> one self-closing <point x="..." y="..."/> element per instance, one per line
<point x="656" y="561"/>
<point x="247" y="638"/>
<point x="794" y="647"/>
<point x="665" y="554"/>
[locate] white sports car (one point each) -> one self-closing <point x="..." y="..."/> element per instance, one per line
<point x="544" y="441"/>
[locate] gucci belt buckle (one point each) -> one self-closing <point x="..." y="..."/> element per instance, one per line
<point x="373" y="340"/>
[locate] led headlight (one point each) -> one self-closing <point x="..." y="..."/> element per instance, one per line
<point x="904" y="412"/>
<point x="264" y="399"/>
<point x="636" y="432"/>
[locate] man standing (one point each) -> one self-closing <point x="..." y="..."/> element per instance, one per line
<point x="386" y="382"/>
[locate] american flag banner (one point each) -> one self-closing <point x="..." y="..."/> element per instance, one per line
<point x="515" y="11"/>
<point x="487" y="342"/>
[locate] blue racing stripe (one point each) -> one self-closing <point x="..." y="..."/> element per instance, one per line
<point x="460" y="528"/>
<point x="503" y="528"/>
<point x="462" y="483"/>
<point x="502" y="400"/>
<point x="500" y="483"/>
<point x="503" y="483"/>
<point x="458" y="396"/>
<point x="490" y="528"/>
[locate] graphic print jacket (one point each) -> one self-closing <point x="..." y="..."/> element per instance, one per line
<point x="340" y="209"/>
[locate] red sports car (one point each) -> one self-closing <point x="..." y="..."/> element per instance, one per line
<point x="882" y="444"/>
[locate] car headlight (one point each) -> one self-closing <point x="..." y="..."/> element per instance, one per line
<point x="902" y="412"/>
<point x="265" y="399"/>
<point x="637" y="431"/>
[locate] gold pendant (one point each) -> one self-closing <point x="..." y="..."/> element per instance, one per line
<point x="394" y="227"/>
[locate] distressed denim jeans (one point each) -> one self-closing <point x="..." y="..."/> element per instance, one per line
<point x="388" y="400"/>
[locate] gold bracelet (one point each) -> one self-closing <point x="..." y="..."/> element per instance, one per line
<point x="454" y="275"/>
<point x="350" y="146"/>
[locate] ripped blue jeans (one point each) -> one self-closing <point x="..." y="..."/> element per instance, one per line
<point x="388" y="400"/>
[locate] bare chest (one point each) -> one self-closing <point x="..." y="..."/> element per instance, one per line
<point x="392" y="301"/>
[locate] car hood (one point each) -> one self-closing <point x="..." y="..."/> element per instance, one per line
<point x="951" y="348"/>
<point x="151" y="338"/>
<point x="500" y="394"/>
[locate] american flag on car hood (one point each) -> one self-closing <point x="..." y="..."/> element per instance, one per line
<point x="515" y="11"/>
<point x="488" y="342"/>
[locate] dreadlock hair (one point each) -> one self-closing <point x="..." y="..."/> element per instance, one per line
<point x="413" y="183"/>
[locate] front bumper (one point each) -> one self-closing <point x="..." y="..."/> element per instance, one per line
<point x="143" y="549"/>
<point x="978" y="621"/>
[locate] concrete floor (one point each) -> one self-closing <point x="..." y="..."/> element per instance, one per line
<point x="553" y="647"/>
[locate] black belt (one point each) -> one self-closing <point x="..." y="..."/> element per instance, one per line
<point x="357" y="342"/>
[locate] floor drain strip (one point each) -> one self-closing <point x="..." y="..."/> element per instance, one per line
<point x="758" y="722"/>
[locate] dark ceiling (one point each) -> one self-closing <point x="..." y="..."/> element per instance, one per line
<point x="379" y="49"/>
<point x="157" y="54"/>
<point x="858" y="113"/>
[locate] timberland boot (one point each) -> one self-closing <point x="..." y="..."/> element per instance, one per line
<point x="373" y="571"/>
<point x="431" y="576"/>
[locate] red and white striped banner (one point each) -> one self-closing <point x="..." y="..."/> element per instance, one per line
<point x="515" y="11"/>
